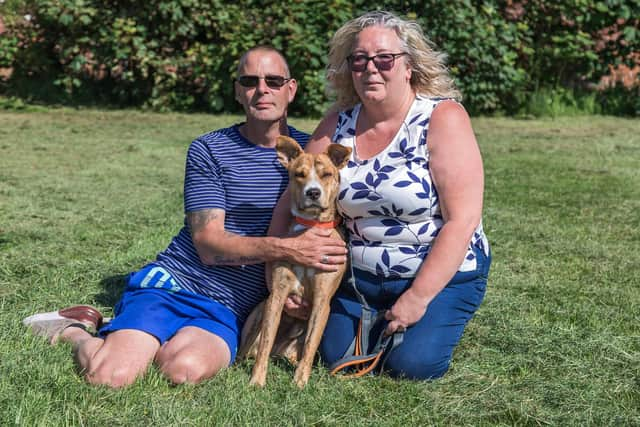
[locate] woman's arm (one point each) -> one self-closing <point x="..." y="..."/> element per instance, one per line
<point x="321" y="137"/>
<point x="456" y="168"/>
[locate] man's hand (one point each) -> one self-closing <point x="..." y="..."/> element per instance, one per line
<point x="316" y="248"/>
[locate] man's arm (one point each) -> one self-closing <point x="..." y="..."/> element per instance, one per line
<point x="217" y="246"/>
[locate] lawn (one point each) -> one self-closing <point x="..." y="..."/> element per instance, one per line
<point x="87" y="196"/>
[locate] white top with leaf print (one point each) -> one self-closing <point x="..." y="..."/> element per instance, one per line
<point x="390" y="203"/>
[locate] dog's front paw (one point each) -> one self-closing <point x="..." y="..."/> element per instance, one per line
<point x="258" y="381"/>
<point x="301" y="377"/>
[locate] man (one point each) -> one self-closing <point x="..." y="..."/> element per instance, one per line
<point x="185" y="310"/>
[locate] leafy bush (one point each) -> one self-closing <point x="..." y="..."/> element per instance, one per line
<point x="16" y="31"/>
<point x="178" y="55"/>
<point x="483" y="50"/>
<point x="619" y="100"/>
<point x="181" y="54"/>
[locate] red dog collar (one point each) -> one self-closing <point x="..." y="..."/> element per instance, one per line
<point x="314" y="223"/>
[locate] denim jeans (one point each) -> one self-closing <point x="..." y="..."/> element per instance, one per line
<point x="427" y="347"/>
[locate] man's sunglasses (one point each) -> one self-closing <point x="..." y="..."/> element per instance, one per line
<point x="383" y="61"/>
<point x="274" y="82"/>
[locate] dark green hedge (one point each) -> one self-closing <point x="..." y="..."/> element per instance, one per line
<point x="180" y="54"/>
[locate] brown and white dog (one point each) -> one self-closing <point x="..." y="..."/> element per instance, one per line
<point x="313" y="184"/>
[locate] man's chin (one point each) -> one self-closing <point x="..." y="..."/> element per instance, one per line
<point x="267" y="115"/>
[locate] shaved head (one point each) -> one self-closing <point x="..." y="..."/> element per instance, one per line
<point x="243" y="58"/>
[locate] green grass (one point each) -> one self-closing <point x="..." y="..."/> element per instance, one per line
<point x="87" y="196"/>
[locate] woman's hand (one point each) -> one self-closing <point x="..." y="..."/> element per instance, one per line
<point x="407" y="310"/>
<point x="294" y="305"/>
<point x="297" y="307"/>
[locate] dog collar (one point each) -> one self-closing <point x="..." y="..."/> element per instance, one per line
<point x="314" y="223"/>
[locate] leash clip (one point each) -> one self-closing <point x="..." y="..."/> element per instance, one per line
<point x="357" y="356"/>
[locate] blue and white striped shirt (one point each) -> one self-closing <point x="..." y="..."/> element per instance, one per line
<point x="225" y="171"/>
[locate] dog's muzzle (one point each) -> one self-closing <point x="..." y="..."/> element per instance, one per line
<point x="313" y="193"/>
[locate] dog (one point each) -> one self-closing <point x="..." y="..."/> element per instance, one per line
<point x="313" y="184"/>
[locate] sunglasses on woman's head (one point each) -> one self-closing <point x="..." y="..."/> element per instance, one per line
<point x="274" y="82"/>
<point x="383" y="62"/>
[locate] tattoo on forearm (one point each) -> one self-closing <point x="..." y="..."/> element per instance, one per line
<point x="199" y="219"/>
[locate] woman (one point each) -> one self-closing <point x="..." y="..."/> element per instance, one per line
<point x="411" y="194"/>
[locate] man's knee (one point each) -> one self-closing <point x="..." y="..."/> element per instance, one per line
<point x="193" y="355"/>
<point x="118" y="360"/>
<point x="115" y="376"/>
<point x="185" y="367"/>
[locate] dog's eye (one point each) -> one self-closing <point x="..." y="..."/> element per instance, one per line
<point x="300" y="174"/>
<point x="327" y="175"/>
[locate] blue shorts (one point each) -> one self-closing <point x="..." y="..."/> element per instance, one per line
<point x="155" y="304"/>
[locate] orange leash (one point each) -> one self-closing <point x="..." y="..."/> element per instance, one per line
<point x="357" y="360"/>
<point x="360" y="363"/>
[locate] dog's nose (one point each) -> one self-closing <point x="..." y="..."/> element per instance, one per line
<point x="313" y="193"/>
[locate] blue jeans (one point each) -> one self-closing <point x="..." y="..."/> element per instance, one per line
<point x="428" y="345"/>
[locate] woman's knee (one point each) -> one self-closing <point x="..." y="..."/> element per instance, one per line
<point x="340" y="330"/>
<point x="331" y="351"/>
<point x="417" y="365"/>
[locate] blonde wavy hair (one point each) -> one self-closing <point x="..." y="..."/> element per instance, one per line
<point x="429" y="74"/>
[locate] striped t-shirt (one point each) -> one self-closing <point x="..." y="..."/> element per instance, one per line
<point x="226" y="171"/>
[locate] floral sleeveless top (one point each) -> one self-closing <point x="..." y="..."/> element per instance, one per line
<point x="389" y="202"/>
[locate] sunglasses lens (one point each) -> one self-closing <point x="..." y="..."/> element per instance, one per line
<point x="274" y="82"/>
<point x="383" y="62"/>
<point x="248" y="81"/>
<point x="358" y="62"/>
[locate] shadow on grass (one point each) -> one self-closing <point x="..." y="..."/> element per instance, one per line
<point x="112" y="289"/>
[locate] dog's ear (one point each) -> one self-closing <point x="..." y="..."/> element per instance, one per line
<point x="287" y="149"/>
<point x="339" y="154"/>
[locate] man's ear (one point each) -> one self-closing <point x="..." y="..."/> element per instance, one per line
<point x="339" y="154"/>
<point x="287" y="149"/>
<point x="293" y="88"/>
<point x="235" y="91"/>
